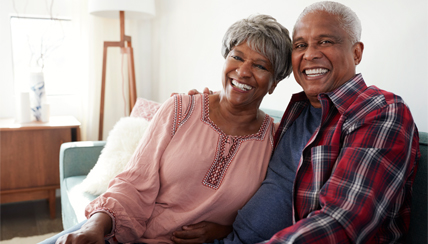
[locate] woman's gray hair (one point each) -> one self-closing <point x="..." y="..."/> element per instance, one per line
<point x="348" y="18"/>
<point x="266" y="36"/>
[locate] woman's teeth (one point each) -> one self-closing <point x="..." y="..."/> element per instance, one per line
<point x="241" y="86"/>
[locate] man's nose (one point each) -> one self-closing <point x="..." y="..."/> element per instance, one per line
<point x="312" y="52"/>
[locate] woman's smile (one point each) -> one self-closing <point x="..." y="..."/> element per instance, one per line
<point x="241" y="86"/>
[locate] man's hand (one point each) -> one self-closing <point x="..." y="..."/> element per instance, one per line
<point x="195" y="92"/>
<point x="200" y="233"/>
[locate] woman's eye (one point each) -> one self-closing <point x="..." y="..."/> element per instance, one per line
<point x="260" y="67"/>
<point x="237" y="58"/>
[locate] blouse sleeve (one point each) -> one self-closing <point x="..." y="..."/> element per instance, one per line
<point x="131" y="195"/>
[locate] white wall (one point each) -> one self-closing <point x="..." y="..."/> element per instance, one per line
<point x="188" y="34"/>
<point x="180" y="50"/>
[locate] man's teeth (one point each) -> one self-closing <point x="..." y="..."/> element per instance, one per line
<point x="241" y="86"/>
<point x="315" y="72"/>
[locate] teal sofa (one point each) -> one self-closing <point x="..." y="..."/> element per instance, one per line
<point x="78" y="158"/>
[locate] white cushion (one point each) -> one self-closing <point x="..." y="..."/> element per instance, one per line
<point x="120" y="145"/>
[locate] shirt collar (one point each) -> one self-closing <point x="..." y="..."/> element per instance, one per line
<point x="346" y="94"/>
<point x="342" y="97"/>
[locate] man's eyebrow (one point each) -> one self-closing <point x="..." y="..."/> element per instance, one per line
<point x="297" y="39"/>
<point x="334" y="37"/>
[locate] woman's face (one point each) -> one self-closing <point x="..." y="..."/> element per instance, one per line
<point x="247" y="77"/>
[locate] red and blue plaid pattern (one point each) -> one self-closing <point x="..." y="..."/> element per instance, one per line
<point x="355" y="176"/>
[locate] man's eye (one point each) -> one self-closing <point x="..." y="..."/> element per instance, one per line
<point x="299" y="46"/>
<point x="326" y="42"/>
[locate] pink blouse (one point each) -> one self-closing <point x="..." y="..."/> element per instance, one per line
<point x="184" y="171"/>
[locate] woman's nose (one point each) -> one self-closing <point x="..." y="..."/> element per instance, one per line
<point x="244" y="70"/>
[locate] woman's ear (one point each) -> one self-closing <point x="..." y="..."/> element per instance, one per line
<point x="272" y="88"/>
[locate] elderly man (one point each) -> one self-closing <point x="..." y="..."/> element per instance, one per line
<point x="345" y="154"/>
<point x="354" y="178"/>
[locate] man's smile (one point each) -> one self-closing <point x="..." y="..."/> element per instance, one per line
<point x="315" y="72"/>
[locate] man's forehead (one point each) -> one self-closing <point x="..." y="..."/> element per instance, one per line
<point x="319" y="20"/>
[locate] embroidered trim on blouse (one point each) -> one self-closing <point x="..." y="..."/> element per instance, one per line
<point x="189" y="111"/>
<point x="215" y="175"/>
<point x="177" y="113"/>
<point x="179" y="118"/>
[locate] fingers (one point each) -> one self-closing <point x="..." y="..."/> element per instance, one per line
<point x="195" y="226"/>
<point x="185" y="241"/>
<point x="193" y="92"/>
<point x="188" y="234"/>
<point x="184" y="237"/>
<point x="207" y="91"/>
<point x="194" y="233"/>
<point x="79" y="238"/>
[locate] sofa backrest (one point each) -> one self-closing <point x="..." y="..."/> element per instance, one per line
<point x="419" y="215"/>
<point x="275" y="114"/>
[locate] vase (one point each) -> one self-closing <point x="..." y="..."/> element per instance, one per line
<point x="37" y="94"/>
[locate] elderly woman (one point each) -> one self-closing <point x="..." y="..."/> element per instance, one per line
<point x="203" y="156"/>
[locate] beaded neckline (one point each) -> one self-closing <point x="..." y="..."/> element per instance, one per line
<point x="206" y="119"/>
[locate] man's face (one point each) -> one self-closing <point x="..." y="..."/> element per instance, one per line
<point x="323" y="56"/>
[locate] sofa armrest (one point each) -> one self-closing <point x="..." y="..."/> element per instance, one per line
<point x="78" y="158"/>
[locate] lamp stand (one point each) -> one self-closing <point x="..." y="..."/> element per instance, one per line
<point x="125" y="47"/>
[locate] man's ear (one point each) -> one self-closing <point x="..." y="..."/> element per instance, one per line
<point x="358" y="52"/>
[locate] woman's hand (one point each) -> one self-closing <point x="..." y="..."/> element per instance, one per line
<point x="84" y="237"/>
<point x="203" y="232"/>
<point x="92" y="232"/>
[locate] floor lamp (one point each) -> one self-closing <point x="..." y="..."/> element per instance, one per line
<point x="112" y="9"/>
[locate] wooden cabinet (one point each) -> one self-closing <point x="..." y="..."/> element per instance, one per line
<point x="29" y="158"/>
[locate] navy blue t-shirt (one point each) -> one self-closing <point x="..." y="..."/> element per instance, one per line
<point x="270" y="209"/>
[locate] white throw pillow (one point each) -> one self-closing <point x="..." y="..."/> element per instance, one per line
<point x="121" y="143"/>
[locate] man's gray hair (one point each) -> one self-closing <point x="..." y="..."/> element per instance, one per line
<point x="348" y="18"/>
<point x="266" y="36"/>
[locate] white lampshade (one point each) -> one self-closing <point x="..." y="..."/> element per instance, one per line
<point x="136" y="9"/>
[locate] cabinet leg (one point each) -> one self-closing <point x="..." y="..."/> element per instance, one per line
<point x="52" y="203"/>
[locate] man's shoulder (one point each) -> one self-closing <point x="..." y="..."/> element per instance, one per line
<point x="389" y="97"/>
<point x="374" y="98"/>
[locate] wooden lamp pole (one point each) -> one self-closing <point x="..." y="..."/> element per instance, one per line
<point x="125" y="47"/>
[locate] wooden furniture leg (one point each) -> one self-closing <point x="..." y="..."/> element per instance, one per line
<point x="131" y="79"/>
<point x="103" y="89"/>
<point x="52" y="203"/>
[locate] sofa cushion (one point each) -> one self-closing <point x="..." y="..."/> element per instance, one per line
<point x="145" y="108"/>
<point x="75" y="199"/>
<point x="120" y="145"/>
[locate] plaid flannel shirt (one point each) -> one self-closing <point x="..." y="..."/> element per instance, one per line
<point x="354" y="179"/>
